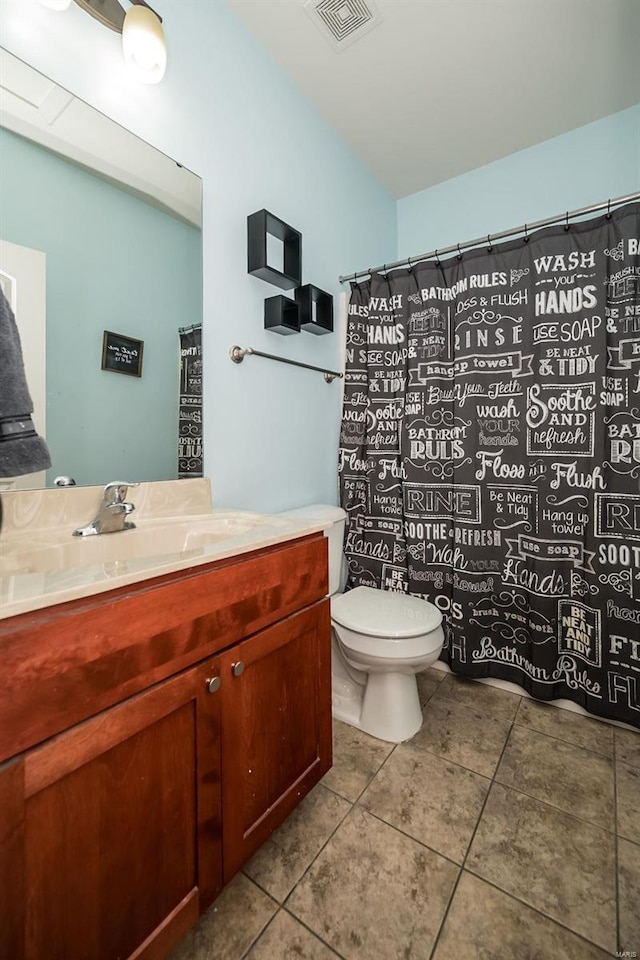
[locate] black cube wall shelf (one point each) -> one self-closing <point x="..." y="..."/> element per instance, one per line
<point x="319" y="320"/>
<point x="258" y="226"/>
<point x="281" y="315"/>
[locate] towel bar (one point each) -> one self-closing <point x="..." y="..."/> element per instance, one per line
<point x="238" y="354"/>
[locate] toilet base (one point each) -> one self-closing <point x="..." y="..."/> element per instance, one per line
<point x="391" y="707"/>
<point x="386" y="707"/>
<point x="346" y="699"/>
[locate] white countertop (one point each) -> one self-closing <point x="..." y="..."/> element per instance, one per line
<point x="42" y="564"/>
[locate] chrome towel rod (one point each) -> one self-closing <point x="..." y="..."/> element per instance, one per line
<point x="238" y="354"/>
<point x="491" y="238"/>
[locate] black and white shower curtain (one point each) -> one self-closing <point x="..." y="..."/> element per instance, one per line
<point x="490" y="455"/>
<point x="190" y="412"/>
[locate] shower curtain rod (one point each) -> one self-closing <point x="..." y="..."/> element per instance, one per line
<point x="491" y="238"/>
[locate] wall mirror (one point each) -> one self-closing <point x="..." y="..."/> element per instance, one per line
<point x="99" y="232"/>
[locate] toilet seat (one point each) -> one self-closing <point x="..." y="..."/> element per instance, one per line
<point x="385" y="624"/>
<point x="384" y="613"/>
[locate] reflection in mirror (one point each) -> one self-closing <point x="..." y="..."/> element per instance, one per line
<point x="99" y="232"/>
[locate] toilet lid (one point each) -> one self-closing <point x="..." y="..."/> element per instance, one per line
<point x="384" y="613"/>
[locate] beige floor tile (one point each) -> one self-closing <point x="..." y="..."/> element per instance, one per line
<point x="563" y="774"/>
<point x="286" y="939"/>
<point x="436" y="673"/>
<point x="435" y="801"/>
<point x="629" y="894"/>
<point x="566" y="725"/>
<point x="485" y="923"/>
<point x="628" y="801"/>
<point x="471" y="738"/>
<point x="479" y="696"/>
<point x="556" y="863"/>
<point x="230" y="925"/>
<point x="281" y="861"/>
<point x="373" y="893"/>
<point x="627" y="746"/>
<point x="357" y="757"/>
<point x="428" y="682"/>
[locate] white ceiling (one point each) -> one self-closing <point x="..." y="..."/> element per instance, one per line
<point x="443" y="86"/>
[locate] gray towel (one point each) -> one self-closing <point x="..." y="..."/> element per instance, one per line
<point x="21" y="449"/>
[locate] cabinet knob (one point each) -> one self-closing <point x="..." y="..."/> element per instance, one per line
<point x="213" y="684"/>
<point x="237" y="668"/>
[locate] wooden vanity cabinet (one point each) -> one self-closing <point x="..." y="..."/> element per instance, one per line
<point x="118" y="831"/>
<point x="276" y="728"/>
<point x="119" y="826"/>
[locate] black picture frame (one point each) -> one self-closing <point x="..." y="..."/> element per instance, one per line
<point x="122" y="354"/>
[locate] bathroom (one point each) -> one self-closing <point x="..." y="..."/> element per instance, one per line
<point x="228" y="111"/>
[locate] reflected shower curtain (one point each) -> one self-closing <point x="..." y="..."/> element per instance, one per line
<point x="490" y="455"/>
<point x="190" y="400"/>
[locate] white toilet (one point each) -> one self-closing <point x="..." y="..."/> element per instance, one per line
<point x="380" y="641"/>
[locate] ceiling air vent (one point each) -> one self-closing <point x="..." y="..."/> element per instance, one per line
<point x="342" y="22"/>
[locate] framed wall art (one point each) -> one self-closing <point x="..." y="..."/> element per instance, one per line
<point x="122" y="354"/>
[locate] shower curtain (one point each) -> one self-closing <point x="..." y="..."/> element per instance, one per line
<point x="490" y="455"/>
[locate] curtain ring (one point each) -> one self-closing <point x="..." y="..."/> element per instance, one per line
<point x="355" y="277"/>
<point x="490" y="247"/>
<point x="410" y="264"/>
<point x="566" y="226"/>
<point x="437" y="258"/>
<point x="609" y="210"/>
<point x="459" y="253"/>
<point x="526" y="234"/>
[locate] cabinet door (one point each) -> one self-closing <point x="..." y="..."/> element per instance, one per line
<point x="276" y="727"/>
<point x="118" y="822"/>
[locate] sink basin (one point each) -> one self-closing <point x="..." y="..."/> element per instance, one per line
<point x="177" y="529"/>
<point x="153" y="542"/>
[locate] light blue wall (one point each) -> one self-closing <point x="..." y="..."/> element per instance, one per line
<point x="229" y="113"/>
<point x="144" y="282"/>
<point x="584" y="166"/>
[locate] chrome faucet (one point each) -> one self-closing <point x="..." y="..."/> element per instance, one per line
<point x="113" y="510"/>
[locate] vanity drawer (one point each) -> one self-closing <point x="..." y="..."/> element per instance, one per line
<point x="65" y="663"/>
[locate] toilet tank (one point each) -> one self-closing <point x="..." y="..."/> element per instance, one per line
<point x="334" y="517"/>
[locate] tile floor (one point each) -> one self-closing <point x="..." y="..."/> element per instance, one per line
<point x="504" y="829"/>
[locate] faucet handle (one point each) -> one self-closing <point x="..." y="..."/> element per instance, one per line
<point x="116" y="491"/>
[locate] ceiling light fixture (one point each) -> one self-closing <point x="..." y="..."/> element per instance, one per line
<point x="143" y="43"/>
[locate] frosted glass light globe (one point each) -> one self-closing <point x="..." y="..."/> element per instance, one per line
<point x="143" y="45"/>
